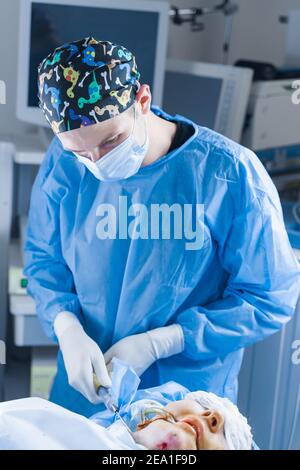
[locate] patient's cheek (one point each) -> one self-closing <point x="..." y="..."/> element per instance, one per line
<point x="169" y="442"/>
<point x="160" y="440"/>
<point x="163" y="436"/>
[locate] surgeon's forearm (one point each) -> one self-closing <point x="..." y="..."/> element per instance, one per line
<point x="235" y="321"/>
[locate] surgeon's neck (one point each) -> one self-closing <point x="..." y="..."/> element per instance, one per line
<point x="161" y="133"/>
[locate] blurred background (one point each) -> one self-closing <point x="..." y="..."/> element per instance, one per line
<point x="239" y="62"/>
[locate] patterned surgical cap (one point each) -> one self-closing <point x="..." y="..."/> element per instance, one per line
<point x="85" y="82"/>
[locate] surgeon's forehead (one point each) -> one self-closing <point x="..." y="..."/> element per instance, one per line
<point x="90" y="136"/>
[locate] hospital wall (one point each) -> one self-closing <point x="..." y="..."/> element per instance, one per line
<point x="259" y="16"/>
<point x="257" y="33"/>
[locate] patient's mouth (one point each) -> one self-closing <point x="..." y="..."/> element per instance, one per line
<point x="195" y="424"/>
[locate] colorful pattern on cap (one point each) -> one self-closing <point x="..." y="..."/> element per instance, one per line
<point x="85" y="82"/>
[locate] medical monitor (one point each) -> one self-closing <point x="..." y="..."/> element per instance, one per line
<point x="214" y="96"/>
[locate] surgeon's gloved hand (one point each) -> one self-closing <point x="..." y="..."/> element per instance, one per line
<point x="142" y="350"/>
<point x="82" y="356"/>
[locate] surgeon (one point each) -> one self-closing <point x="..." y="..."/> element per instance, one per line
<point x="150" y="239"/>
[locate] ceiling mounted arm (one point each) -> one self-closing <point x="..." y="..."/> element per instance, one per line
<point x="193" y="15"/>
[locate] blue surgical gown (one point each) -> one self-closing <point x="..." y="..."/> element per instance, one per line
<point x="241" y="286"/>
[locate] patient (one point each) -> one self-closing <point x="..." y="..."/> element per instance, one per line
<point x="160" y="418"/>
<point x="199" y="421"/>
<point x="36" y="424"/>
<point x="182" y="425"/>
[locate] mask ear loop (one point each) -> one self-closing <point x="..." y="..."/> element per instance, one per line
<point x="134" y="119"/>
<point x="146" y="131"/>
<point x="145" y="124"/>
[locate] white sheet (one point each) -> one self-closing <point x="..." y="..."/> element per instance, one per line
<point x="34" y="423"/>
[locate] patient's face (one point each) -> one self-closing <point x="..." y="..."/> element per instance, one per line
<point x="187" y="427"/>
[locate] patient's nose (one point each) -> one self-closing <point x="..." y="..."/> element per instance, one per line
<point x="213" y="419"/>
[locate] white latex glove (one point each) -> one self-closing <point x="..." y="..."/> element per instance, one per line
<point x="141" y="350"/>
<point x="82" y="356"/>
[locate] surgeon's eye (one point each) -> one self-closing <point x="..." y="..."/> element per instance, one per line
<point x="111" y="142"/>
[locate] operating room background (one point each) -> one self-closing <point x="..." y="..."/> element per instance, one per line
<point x="260" y="16"/>
<point x="257" y="34"/>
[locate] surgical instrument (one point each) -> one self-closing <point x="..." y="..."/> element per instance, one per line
<point x="105" y="394"/>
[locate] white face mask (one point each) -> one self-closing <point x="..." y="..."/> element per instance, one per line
<point x="122" y="161"/>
